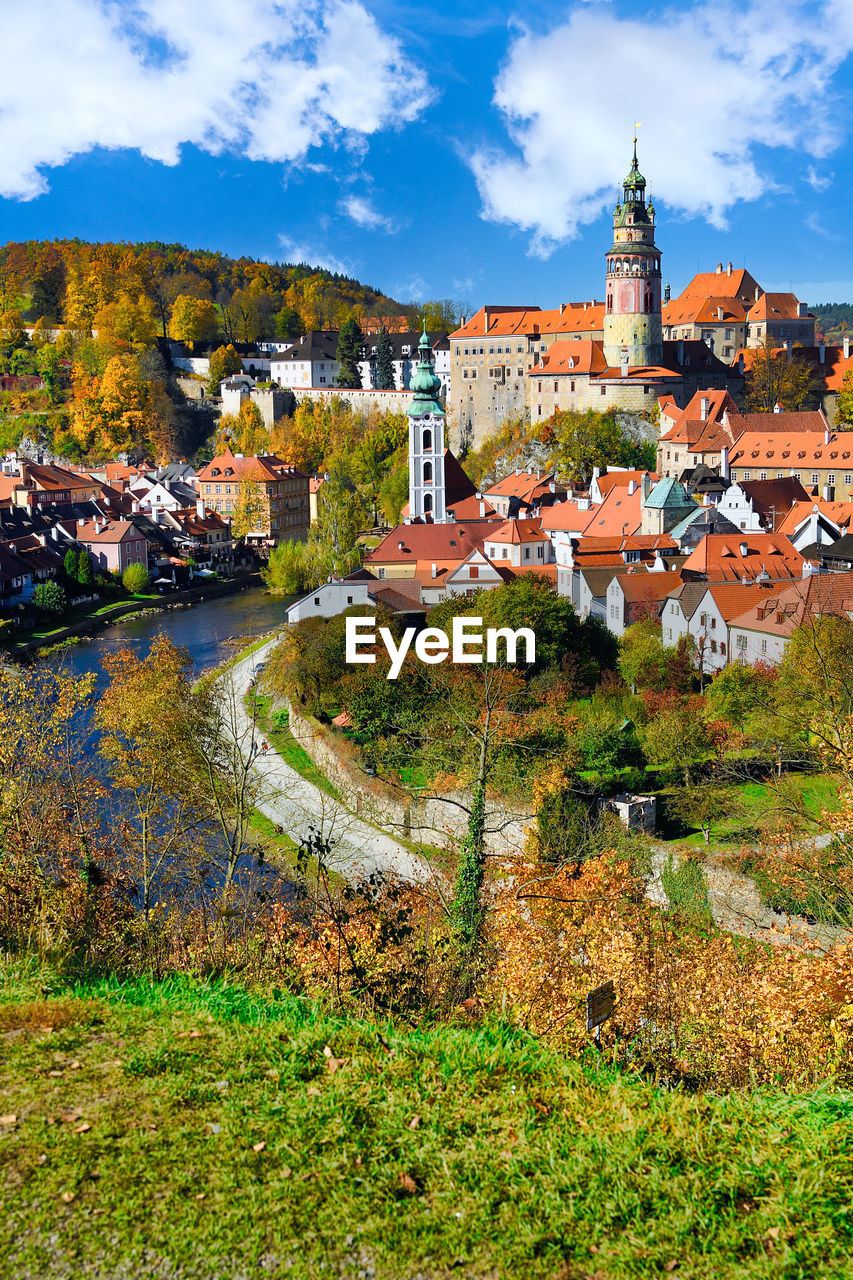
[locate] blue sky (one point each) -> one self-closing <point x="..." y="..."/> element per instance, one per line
<point x="463" y="150"/>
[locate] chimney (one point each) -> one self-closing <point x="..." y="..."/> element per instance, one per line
<point x="802" y="309"/>
<point x="632" y="487"/>
<point x="719" y="268"/>
<point x="134" y="506"/>
<point x="720" y="313"/>
<point x="562" y="307"/>
<point x="486" y="319"/>
<point x="681" y="351"/>
<point x="744" y="549"/>
<point x="482" y="510"/>
<point x="199" y="508"/>
<point x="724" y="462"/>
<point x="729" y="269"/>
<point x="435" y="570"/>
<point x="827" y="435"/>
<point x="399" y="546"/>
<point x="704" y="405"/>
<point x="624" y="366"/>
<point x="846" y="351"/>
<point x="757" y="293"/>
<point x="821" y="352"/>
<point x="740" y="364"/>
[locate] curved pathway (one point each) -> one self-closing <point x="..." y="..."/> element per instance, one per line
<point x="299" y="807"/>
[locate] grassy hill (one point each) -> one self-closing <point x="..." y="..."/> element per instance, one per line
<point x="189" y="1130"/>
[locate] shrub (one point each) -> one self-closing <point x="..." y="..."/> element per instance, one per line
<point x="135" y="578"/>
<point x="49" y="597"/>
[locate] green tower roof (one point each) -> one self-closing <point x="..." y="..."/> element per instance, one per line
<point x="425" y="382"/>
<point x="634" y="178"/>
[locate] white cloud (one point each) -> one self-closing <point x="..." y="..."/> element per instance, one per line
<point x="301" y="251"/>
<point x="709" y="84"/>
<point x="364" y="214"/>
<point x="266" y="78"/>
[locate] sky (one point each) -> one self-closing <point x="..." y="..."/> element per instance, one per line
<point x="462" y="149"/>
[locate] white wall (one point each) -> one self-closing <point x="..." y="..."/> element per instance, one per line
<point x="329" y="600"/>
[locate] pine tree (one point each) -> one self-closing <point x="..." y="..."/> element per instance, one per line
<point x="385" y="380"/>
<point x="70" y="564"/>
<point x="349" y="353"/>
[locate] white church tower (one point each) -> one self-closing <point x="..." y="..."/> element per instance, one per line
<point x="427" y="500"/>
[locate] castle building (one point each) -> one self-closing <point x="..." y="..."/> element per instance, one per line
<point x="509" y="361"/>
<point x="632" y="316"/>
<point x="427" y="493"/>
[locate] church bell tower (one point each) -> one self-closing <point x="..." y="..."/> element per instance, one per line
<point x="427" y="495"/>
<point x="632" y="318"/>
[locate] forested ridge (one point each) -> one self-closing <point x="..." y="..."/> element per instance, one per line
<point x="72" y="282"/>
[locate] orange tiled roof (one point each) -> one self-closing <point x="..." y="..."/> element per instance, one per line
<point x="777" y="306"/>
<point x="782" y="610"/>
<point x="521" y="484"/>
<point x="787" y="450"/>
<point x="428" y="542"/>
<point x="572" y="317"/>
<point x="721" y="284"/>
<point x="637" y="587"/>
<point x="840" y="513"/>
<point x="517" y="531"/>
<point x="694" y="309"/>
<point x="721" y="557"/>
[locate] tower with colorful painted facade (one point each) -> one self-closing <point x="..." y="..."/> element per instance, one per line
<point x="632" y="316"/>
<point x="427" y="495"/>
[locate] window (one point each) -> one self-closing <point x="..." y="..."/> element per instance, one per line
<point x="473" y="571"/>
<point x="427" y="473"/>
<point x="604" y="391"/>
<point x="427" y="503"/>
<point x="848" y="477"/>
<point x="219" y="488"/>
<point x="380" y="572"/>
<point x="316" y="599"/>
<point x="763" y="646"/>
<point x="556" y="386"/>
<point x="741" y="642"/>
<point x="427" y="438"/>
<point x="815" y="477"/>
<point x="762" y="475"/>
<point x="572" y="386"/>
<point x="713" y="624"/>
<point x="830" y="479"/>
<point x="713" y="646"/>
<point x="746" y="475"/>
<point x="349" y="599"/>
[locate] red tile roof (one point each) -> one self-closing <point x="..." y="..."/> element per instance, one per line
<point x="428" y="542"/>
<point x="787" y="450"/>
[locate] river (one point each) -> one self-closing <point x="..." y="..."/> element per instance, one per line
<point x="201" y="628"/>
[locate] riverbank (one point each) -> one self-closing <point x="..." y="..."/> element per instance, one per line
<point x="125" y="609"/>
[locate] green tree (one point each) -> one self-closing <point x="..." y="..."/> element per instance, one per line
<point x="287" y="572"/>
<point x="223" y="362"/>
<point x="349" y="353"/>
<point x="69" y="564"/>
<point x="84" y="569"/>
<point x="394" y="493"/>
<point x="332" y="548"/>
<point x="385" y="380"/>
<point x="584" y="440"/>
<point x="49" y="597"/>
<point x="288" y="324"/>
<point x="136" y="579"/>
<point x="250" y="510"/>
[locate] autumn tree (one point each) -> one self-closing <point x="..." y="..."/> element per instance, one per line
<point x="223" y="362"/>
<point x="332" y="543"/>
<point x="780" y="377"/>
<point x="194" y="320"/>
<point x="145" y="723"/>
<point x="250" y="509"/>
<point x="844" y="404"/>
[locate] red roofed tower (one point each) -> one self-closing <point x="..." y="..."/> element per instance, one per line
<point x="632" y="318"/>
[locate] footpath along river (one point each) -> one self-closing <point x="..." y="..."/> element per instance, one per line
<point x="357" y="848"/>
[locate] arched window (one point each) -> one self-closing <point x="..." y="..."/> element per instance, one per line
<point x="427" y="503"/>
<point x="427" y="473"/>
<point x="427" y="439"/>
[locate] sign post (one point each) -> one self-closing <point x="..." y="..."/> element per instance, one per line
<point x="600" y="1004"/>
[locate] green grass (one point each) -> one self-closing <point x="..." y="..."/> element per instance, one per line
<point x="469" y="1152"/>
<point x="757" y="803"/>
<point x="275" y="727"/>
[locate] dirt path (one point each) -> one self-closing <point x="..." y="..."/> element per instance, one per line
<point x="299" y="807"/>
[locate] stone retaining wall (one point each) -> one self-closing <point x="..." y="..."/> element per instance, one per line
<point x="433" y="821"/>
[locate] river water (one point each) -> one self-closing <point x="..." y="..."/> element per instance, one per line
<point x="201" y="628"/>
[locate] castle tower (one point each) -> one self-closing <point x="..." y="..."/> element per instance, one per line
<point x="632" y="318"/>
<point x="426" y="442"/>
